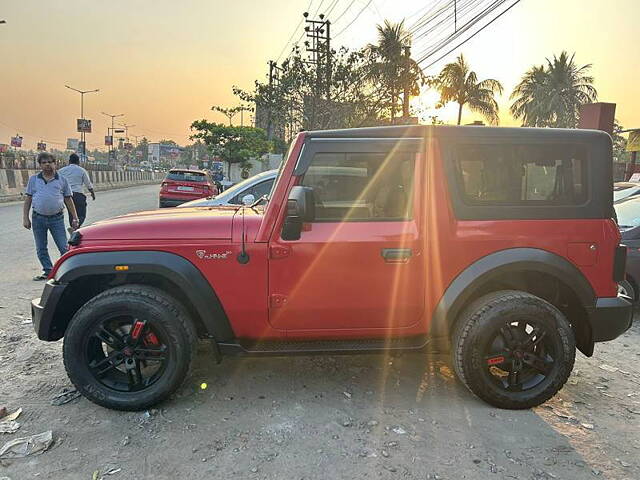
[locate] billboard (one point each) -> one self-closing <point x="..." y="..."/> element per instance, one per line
<point x="108" y="140"/>
<point x="72" y="143"/>
<point x="84" y="125"/>
<point x="633" y="143"/>
<point x="42" y="146"/>
<point x="16" y="141"/>
<point x="163" y="153"/>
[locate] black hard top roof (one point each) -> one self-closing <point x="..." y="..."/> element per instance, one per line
<point x="419" y="131"/>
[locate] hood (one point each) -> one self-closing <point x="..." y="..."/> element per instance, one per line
<point x="164" y="224"/>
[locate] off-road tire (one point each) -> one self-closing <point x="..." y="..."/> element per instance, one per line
<point x="490" y="310"/>
<point x="152" y="304"/>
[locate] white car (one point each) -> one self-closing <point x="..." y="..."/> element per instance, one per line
<point x="243" y="193"/>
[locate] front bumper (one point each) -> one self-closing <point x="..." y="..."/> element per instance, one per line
<point x="610" y="318"/>
<point x="43" y="310"/>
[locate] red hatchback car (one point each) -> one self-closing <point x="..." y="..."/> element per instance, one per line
<point x="182" y="186"/>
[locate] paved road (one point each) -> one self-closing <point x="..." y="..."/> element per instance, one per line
<point x="19" y="241"/>
<point x="308" y="417"/>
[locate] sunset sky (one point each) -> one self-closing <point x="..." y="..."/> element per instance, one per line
<point x="164" y="63"/>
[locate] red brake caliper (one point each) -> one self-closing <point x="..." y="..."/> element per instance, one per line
<point x="495" y="360"/>
<point x="137" y="329"/>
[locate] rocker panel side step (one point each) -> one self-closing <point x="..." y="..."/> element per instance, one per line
<point x="290" y="347"/>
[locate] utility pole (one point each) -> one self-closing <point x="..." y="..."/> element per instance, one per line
<point x="83" y="137"/>
<point x="318" y="33"/>
<point x="111" y="147"/>
<point x="407" y="80"/>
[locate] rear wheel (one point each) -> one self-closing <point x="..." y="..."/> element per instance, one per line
<point x="129" y="347"/>
<point x="513" y="350"/>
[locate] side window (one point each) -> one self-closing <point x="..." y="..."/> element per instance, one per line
<point x="511" y="174"/>
<point x="362" y="186"/>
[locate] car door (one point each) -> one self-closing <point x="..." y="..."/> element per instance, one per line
<point x="358" y="265"/>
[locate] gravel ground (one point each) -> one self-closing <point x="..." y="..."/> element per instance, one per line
<point x="307" y="417"/>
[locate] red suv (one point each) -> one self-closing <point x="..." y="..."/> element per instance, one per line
<point x="180" y="186"/>
<point x="494" y="243"/>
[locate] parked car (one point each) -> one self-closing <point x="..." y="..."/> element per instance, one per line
<point x="628" y="214"/>
<point x="243" y="193"/>
<point x="428" y="237"/>
<point x="180" y="186"/>
<point x="622" y="190"/>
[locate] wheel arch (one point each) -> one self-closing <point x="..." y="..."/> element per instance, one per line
<point x="540" y="272"/>
<point x="87" y="274"/>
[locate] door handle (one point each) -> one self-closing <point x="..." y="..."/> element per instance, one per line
<point x="391" y="255"/>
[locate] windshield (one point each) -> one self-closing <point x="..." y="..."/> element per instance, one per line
<point x="187" y="176"/>
<point x="624" y="192"/>
<point x="239" y="187"/>
<point x="628" y="213"/>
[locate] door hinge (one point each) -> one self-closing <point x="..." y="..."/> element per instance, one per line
<point x="279" y="251"/>
<point x="277" y="300"/>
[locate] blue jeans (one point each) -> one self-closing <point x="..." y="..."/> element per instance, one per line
<point x="40" y="226"/>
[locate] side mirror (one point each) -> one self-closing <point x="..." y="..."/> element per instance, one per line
<point x="248" y="199"/>
<point x="301" y="208"/>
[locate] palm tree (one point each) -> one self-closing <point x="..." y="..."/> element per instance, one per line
<point x="391" y="64"/>
<point x="551" y="95"/>
<point x="530" y="98"/>
<point x="457" y="83"/>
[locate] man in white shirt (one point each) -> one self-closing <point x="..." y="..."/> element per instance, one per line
<point x="78" y="178"/>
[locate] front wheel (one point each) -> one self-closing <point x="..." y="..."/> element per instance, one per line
<point x="129" y="347"/>
<point x="513" y="350"/>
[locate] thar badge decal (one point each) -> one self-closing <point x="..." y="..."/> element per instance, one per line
<point x="212" y="256"/>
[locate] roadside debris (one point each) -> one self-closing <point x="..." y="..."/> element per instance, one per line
<point x="3" y="411"/>
<point x="608" y="368"/>
<point x="65" y="396"/>
<point x="23" y="447"/>
<point x="347" y="394"/>
<point x="399" y="430"/>
<point x="97" y="475"/>
<point x="11" y="416"/>
<point x="9" y="426"/>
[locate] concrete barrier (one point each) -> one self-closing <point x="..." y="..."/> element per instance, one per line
<point x="13" y="182"/>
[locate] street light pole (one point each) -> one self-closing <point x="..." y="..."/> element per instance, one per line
<point x="83" y="137"/>
<point x="113" y="117"/>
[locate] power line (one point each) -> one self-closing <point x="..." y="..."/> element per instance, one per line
<point x="352" y="21"/>
<point x="438" y="45"/>
<point x="344" y="11"/>
<point x="469" y="38"/>
<point x="318" y="9"/>
<point x="330" y="8"/>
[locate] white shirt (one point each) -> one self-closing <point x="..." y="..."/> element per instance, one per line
<point x="77" y="177"/>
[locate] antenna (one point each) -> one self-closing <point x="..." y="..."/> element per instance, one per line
<point x="243" y="256"/>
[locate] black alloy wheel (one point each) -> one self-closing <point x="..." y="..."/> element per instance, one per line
<point x="520" y="355"/>
<point x="512" y="349"/>
<point x="129" y="347"/>
<point x="126" y="354"/>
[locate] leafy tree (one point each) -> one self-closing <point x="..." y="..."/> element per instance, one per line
<point x="458" y="83"/>
<point x="232" y="144"/>
<point x="551" y="95"/>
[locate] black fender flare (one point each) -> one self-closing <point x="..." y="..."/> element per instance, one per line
<point x="472" y="278"/>
<point x="174" y="268"/>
